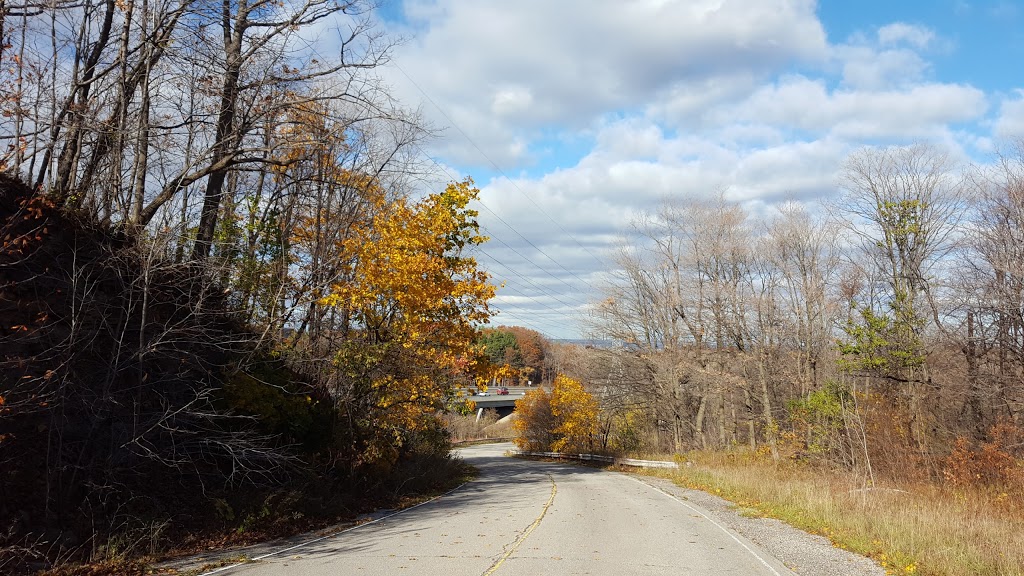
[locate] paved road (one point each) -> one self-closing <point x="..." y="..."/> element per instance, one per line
<point x="533" y="518"/>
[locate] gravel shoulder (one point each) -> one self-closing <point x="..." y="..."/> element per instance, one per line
<point x="806" y="554"/>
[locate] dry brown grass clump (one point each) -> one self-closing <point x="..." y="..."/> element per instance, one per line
<point x="910" y="529"/>
<point x="467" y="427"/>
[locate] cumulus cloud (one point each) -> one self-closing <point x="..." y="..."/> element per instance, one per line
<point x="1010" y="123"/>
<point x="806" y="104"/>
<point x="891" y="57"/>
<point x="553" y="260"/>
<point x="512" y="101"/>
<point x="538" y="63"/>
<point x="899" y="33"/>
<point x="867" y="68"/>
<point x="675" y="99"/>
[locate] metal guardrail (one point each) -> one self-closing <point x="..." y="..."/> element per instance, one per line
<point x="599" y="458"/>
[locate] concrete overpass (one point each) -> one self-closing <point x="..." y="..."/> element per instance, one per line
<point x="504" y="404"/>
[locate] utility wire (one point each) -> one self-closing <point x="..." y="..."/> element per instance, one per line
<point x="524" y="257"/>
<point x="546" y="293"/>
<point x="491" y="257"/>
<point x="539" y="289"/>
<point x="549" y="308"/>
<point x="519" y="320"/>
<point x="513" y="229"/>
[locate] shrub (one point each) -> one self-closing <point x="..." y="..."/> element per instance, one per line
<point x="576" y="412"/>
<point x="535" y="424"/>
<point x="564" y="420"/>
<point x="818" y="419"/>
<point x="988" y="464"/>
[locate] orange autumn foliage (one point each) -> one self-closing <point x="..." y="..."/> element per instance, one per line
<point x="566" y="420"/>
<point x="577" y="414"/>
<point x="992" y="463"/>
<point x="414" y="297"/>
<point x="534" y="423"/>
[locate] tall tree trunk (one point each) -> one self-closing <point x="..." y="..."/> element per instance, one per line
<point x="971" y="414"/>
<point x="766" y="408"/>
<point x="227" y="140"/>
<point x="698" y="423"/>
<point x="72" y="149"/>
<point x="141" y="164"/>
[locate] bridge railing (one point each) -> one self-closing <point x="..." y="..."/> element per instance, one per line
<point x="599" y="458"/>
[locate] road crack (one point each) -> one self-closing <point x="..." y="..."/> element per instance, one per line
<point x="526" y="533"/>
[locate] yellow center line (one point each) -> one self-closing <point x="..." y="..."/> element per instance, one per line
<point x="522" y="537"/>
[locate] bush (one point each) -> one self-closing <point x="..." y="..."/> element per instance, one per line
<point x="466" y="426"/>
<point x="282" y="402"/>
<point x="989" y="464"/>
<point x="564" y="420"/>
<point x="577" y="415"/>
<point x="535" y="424"/>
<point x="818" y="422"/>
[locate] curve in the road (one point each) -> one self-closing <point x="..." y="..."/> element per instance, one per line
<point x="523" y="517"/>
<point x="331" y="535"/>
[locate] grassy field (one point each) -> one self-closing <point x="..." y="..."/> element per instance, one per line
<point x="922" y="529"/>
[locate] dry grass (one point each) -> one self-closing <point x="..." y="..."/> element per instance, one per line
<point x="467" y="427"/>
<point x="923" y="529"/>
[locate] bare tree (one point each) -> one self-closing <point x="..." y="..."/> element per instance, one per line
<point x="903" y="205"/>
<point x="804" y="256"/>
<point x="678" y="287"/>
<point x="992" y="338"/>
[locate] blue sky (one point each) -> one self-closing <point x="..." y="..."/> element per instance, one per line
<point x="576" y="116"/>
<point x="979" y="41"/>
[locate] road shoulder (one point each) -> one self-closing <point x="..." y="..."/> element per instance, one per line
<point x="806" y="554"/>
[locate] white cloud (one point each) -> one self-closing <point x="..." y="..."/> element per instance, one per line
<point x="512" y="101"/>
<point x="890" y="58"/>
<point x="800" y="103"/>
<point x="867" y="68"/>
<point x="506" y="69"/>
<point x="595" y="199"/>
<point x="677" y="98"/>
<point x="802" y="170"/>
<point x="1010" y="123"/>
<point x="688" y="103"/>
<point x="634" y="138"/>
<point x="899" y="33"/>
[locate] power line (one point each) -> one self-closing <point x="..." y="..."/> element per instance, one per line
<point x="528" y="241"/>
<point x="497" y="261"/>
<point x="517" y="232"/>
<point x="550" y="308"/>
<point x="549" y="294"/>
<point x="524" y="257"/>
<point x="529" y="322"/>
<point x="546" y="293"/>
<point x="513" y="229"/>
<point x="532" y="284"/>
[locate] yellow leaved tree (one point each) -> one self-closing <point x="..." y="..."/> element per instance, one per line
<point x="564" y="420"/>
<point x="414" y="295"/>
<point x="577" y="415"/>
<point x="534" y="424"/>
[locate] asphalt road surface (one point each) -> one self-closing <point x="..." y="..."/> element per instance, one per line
<point x="531" y="518"/>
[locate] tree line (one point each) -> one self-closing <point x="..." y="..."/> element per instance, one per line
<point x="878" y="331"/>
<point x="225" y="294"/>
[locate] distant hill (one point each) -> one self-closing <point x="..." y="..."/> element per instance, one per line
<point x="589" y="342"/>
